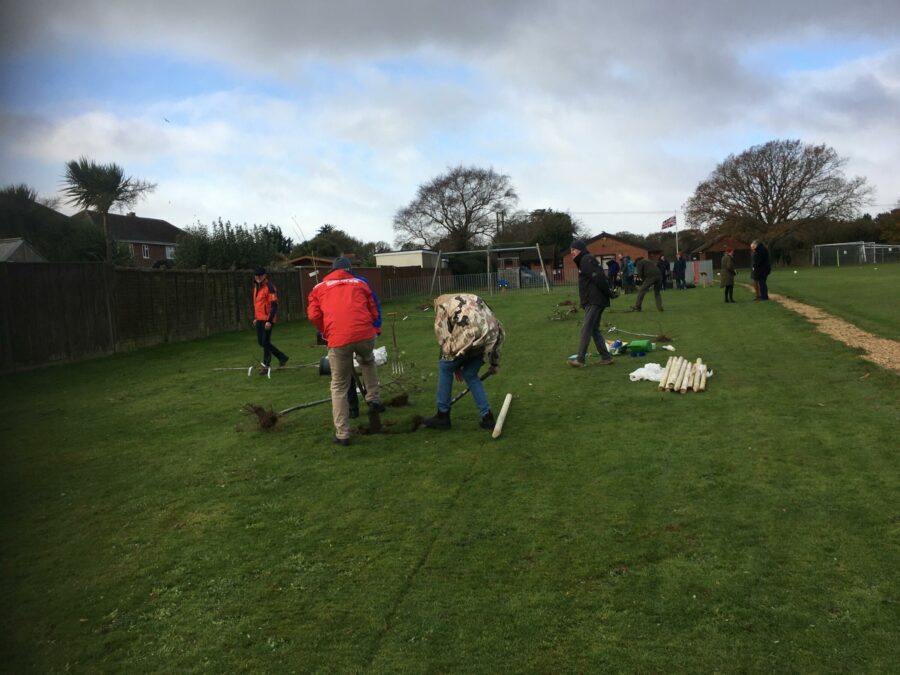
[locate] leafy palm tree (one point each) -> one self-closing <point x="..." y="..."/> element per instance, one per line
<point x="20" y="192"/>
<point x="101" y="187"/>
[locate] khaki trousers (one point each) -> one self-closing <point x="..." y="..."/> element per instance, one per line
<point x="340" y="360"/>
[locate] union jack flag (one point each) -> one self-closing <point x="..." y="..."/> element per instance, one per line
<point x="668" y="222"/>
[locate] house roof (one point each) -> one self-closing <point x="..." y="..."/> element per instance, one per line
<point x="310" y="261"/>
<point x="609" y="237"/>
<point x="18" y="250"/>
<point x="133" y="228"/>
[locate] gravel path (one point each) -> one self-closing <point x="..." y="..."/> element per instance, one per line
<point x="878" y="350"/>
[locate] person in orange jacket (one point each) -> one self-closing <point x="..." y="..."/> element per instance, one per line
<point x="265" y="313"/>
<point x="343" y="308"/>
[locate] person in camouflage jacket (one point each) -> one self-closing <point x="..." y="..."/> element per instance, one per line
<point x="468" y="333"/>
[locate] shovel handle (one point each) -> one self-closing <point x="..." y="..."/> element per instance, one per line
<point x="304" y="405"/>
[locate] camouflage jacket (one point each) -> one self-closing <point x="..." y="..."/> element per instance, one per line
<point x="465" y="326"/>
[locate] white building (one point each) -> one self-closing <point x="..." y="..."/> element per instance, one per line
<point x="424" y="258"/>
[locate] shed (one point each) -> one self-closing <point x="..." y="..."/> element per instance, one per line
<point x="19" y="250"/>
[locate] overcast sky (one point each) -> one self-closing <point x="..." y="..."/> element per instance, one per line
<point x="304" y="113"/>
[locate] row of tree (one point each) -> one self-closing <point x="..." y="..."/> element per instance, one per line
<point x="781" y="191"/>
<point x="790" y="194"/>
<point x="222" y="245"/>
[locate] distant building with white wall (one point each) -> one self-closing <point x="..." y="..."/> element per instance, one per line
<point x="424" y="258"/>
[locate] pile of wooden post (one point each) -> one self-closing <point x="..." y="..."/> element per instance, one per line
<point x="681" y="375"/>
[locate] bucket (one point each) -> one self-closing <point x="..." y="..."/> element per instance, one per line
<point x="640" y="346"/>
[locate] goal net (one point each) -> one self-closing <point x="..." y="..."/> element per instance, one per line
<point x="854" y="253"/>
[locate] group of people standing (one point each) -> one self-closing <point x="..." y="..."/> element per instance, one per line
<point x="621" y="272"/>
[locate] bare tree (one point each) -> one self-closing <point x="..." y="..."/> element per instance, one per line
<point x="461" y="208"/>
<point x="101" y="187"/>
<point x="767" y="189"/>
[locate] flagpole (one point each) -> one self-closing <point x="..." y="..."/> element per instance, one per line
<point x="676" y="237"/>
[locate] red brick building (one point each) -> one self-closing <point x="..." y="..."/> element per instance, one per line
<point x="603" y="247"/>
<point x="150" y="241"/>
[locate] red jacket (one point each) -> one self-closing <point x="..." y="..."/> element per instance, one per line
<point x="265" y="301"/>
<point x="343" y="308"/>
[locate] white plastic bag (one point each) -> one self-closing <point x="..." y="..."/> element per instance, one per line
<point x="651" y="371"/>
<point x="380" y="355"/>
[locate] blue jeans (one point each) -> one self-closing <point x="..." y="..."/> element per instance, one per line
<point x="470" y="367"/>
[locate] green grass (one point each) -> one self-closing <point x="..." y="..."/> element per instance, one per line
<point x="866" y="295"/>
<point x="148" y="526"/>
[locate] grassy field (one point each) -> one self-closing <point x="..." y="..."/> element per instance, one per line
<point x="149" y="526"/>
<point x="867" y="295"/>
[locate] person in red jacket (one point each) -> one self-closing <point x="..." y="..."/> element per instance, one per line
<point x="265" y="313"/>
<point x="343" y="308"/>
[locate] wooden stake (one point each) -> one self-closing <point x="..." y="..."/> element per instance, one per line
<point x="665" y="375"/>
<point x="676" y="367"/>
<point x="498" y="425"/>
<point x="688" y="376"/>
<point x="676" y="384"/>
<point x="702" y="380"/>
<point x="697" y="371"/>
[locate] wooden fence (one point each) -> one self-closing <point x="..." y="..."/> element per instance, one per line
<point x="57" y="312"/>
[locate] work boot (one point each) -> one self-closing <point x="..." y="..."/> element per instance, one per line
<point x="263" y="369"/>
<point x="283" y="362"/>
<point x="341" y="441"/>
<point x="634" y="309"/>
<point x="575" y="363"/>
<point x="375" y="406"/>
<point x="488" y="421"/>
<point x="440" y="421"/>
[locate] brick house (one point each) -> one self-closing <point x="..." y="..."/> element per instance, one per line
<point x="151" y="241"/>
<point x="604" y="247"/>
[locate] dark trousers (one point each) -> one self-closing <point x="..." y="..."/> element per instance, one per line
<point x="264" y="337"/>
<point x="590" y="329"/>
<point x="679" y="281"/>
<point x="655" y="283"/>
<point x="729" y="293"/>
<point x="763" y="287"/>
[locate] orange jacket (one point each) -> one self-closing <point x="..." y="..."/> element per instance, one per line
<point x="343" y="308"/>
<point x="265" y="301"/>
